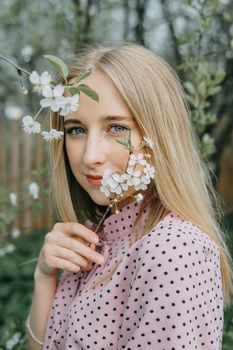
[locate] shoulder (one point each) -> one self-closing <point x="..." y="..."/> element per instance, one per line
<point x="176" y="280"/>
<point x="174" y="237"/>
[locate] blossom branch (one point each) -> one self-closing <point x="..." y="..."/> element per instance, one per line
<point x="118" y="183"/>
<point x="19" y="69"/>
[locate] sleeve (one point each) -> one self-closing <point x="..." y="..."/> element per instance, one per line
<point x="175" y="300"/>
<point x="66" y="290"/>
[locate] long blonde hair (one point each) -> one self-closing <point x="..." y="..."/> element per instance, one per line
<point x="183" y="185"/>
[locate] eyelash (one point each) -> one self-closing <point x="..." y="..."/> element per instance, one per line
<point x="71" y="129"/>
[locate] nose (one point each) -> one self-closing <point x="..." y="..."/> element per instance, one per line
<point x="95" y="151"/>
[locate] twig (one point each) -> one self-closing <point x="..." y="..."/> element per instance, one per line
<point x="19" y="69"/>
<point x="28" y="261"/>
<point x="107" y="210"/>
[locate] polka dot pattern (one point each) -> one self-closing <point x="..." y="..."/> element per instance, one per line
<point x="166" y="293"/>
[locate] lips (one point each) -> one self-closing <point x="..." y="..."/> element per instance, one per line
<point x="94" y="180"/>
<point x="94" y="177"/>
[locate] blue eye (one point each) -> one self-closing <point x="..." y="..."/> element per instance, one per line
<point x="119" y="128"/>
<point x="75" y="130"/>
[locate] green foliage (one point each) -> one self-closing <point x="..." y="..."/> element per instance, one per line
<point x="17" y="286"/>
<point x="126" y="142"/>
<point x="228" y="329"/>
<point x="203" y="77"/>
<point x="84" y="75"/>
<point x="9" y="212"/>
<point x="58" y="64"/>
<point x="6" y="217"/>
<point x="87" y="91"/>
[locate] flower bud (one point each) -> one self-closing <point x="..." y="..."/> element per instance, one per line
<point x="24" y="91"/>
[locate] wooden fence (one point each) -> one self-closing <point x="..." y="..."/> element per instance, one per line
<point x="21" y="154"/>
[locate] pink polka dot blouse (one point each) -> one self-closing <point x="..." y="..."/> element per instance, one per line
<point x="166" y="294"/>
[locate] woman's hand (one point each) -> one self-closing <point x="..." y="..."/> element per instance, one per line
<point x="66" y="247"/>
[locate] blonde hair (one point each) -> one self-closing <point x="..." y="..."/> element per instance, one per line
<point x="182" y="184"/>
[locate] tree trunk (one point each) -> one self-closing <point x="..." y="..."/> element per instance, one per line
<point x="126" y="18"/>
<point x="139" y="28"/>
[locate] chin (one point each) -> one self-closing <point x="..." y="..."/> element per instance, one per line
<point x="100" y="200"/>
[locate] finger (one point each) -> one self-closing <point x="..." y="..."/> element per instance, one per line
<point x="79" y="230"/>
<point x="71" y="256"/>
<point x="81" y="249"/>
<point x="63" y="264"/>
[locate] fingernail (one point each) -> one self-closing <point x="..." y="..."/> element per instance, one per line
<point x="100" y="259"/>
<point x="95" y="239"/>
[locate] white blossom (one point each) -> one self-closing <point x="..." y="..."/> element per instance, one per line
<point x="70" y="104"/>
<point x="142" y="185"/>
<point x="136" y="158"/>
<point x="33" y="189"/>
<point x="14" y="340"/>
<point x="107" y="173"/>
<point x="15" y="233"/>
<point x="13" y="199"/>
<point x="30" y="126"/>
<point x="53" y="97"/>
<point x="118" y="183"/>
<point x="133" y="177"/>
<point x="10" y="248"/>
<point x="149" y="170"/>
<point x="6" y="250"/>
<point x="146" y="179"/>
<point x="113" y="183"/>
<point x="27" y="52"/>
<point x="139" y="197"/>
<point x="105" y="190"/>
<point x="40" y="82"/>
<point x="13" y="112"/>
<point x="148" y="142"/>
<point x="52" y="135"/>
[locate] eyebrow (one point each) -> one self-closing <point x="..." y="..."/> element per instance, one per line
<point x="104" y="119"/>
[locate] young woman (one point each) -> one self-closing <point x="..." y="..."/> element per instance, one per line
<point x="160" y="274"/>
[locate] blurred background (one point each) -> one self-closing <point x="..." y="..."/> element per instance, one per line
<point x="194" y="36"/>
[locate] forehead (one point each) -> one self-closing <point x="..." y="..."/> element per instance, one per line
<point x="111" y="103"/>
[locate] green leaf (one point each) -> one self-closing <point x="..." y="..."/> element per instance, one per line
<point x="84" y="75"/>
<point x="183" y="38"/>
<point x="58" y="64"/>
<point x="74" y="90"/>
<point x="220" y="75"/>
<point x="214" y="90"/>
<point x="189" y="86"/>
<point x="126" y="142"/>
<point x="88" y="91"/>
<point x="203" y="70"/>
<point x="202" y="88"/>
<point x="121" y="143"/>
<point x="208" y="144"/>
<point x="211" y="118"/>
<point x="128" y="137"/>
<point x="227" y="16"/>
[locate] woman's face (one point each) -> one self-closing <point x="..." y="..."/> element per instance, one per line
<point x="91" y="134"/>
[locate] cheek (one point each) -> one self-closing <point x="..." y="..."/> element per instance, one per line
<point x="73" y="153"/>
<point x="119" y="157"/>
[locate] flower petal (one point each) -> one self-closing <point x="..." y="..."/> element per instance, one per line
<point x="34" y="77"/>
<point x="58" y="90"/>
